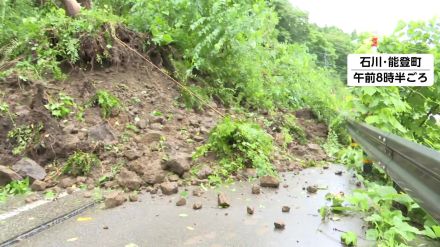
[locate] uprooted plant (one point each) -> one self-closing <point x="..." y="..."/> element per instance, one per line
<point x="239" y="144"/>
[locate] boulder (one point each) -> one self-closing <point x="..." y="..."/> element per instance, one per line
<point x="66" y="182"/>
<point x="38" y="185"/>
<point x="101" y="133"/>
<point x="223" y="201"/>
<point x="269" y="181"/>
<point x="178" y="164"/>
<point x="114" y="199"/>
<point x="29" y="168"/>
<point x="7" y="175"/>
<point x="169" y="188"/>
<point x="128" y="179"/>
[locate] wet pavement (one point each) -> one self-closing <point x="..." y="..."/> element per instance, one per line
<point x="157" y="221"/>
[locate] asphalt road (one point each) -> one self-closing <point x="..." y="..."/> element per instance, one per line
<point x="156" y="221"/>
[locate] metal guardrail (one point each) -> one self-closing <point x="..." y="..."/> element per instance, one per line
<point x="414" y="167"/>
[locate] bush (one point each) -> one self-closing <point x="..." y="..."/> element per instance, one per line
<point x="80" y="163"/>
<point x="107" y="102"/>
<point x="239" y="144"/>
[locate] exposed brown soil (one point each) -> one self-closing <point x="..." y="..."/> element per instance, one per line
<point x="158" y="151"/>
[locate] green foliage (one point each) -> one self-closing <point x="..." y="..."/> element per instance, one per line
<point x="107" y="102"/>
<point x="24" y="136"/>
<point x="38" y="41"/>
<point x="406" y="111"/>
<point x="290" y="123"/>
<point x="239" y="144"/>
<point x="80" y="163"/>
<point x="15" y="187"/>
<point x="388" y="226"/>
<point x="62" y="107"/>
<point x="349" y="238"/>
<point x="293" y="24"/>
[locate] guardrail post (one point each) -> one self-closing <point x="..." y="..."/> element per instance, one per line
<point x="367" y="164"/>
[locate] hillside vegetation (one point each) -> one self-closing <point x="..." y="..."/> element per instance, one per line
<point x="253" y="65"/>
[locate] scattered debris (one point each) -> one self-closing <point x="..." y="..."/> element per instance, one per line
<point x="105" y="227"/>
<point x="250" y="210"/>
<point x="285" y="209"/>
<point x="29" y="168"/>
<point x="179" y="164"/>
<point x="128" y="179"/>
<point x="269" y="181"/>
<point x="312" y="189"/>
<point x="339" y="173"/>
<point x="7" y="175"/>
<point x="181" y="202"/>
<point x="87" y="194"/>
<point x="70" y="190"/>
<point x="279" y="225"/>
<point x="169" y="188"/>
<point x="197" y="192"/>
<point x="114" y="199"/>
<point x="38" y="185"/>
<point x="31" y="198"/>
<point x="197" y="205"/>
<point x="133" y="197"/>
<point x="256" y="189"/>
<point x="222" y="200"/>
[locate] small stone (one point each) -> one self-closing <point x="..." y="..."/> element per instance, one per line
<point x="198" y="138"/>
<point x="256" y="189"/>
<point x="223" y="201"/>
<point x="250" y="210"/>
<point x="169" y="188"/>
<point x="132" y="154"/>
<point x="312" y="189"/>
<point x="269" y="181"/>
<point x="339" y="173"/>
<point x="87" y="194"/>
<point x="197" y="192"/>
<point x="279" y="225"/>
<point x="181" y="202"/>
<point x="285" y="185"/>
<point x="197" y="205"/>
<point x="285" y="209"/>
<point x="38" y="185"/>
<point x="81" y="179"/>
<point x="105" y="227"/>
<point x="31" y="198"/>
<point x="204" y="172"/>
<point x="173" y="178"/>
<point x="66" y="182"/>
<point x="70" y="190"/>
<point x="90" y="186"/>
<point x="114" y="199"/>
<point x="133" y="197"/>
<point x="142" y="124"/>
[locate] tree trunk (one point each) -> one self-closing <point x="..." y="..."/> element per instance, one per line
<point x="72" y="7"/>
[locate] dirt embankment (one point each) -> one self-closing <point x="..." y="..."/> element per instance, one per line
<point x="148" y="141"/>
